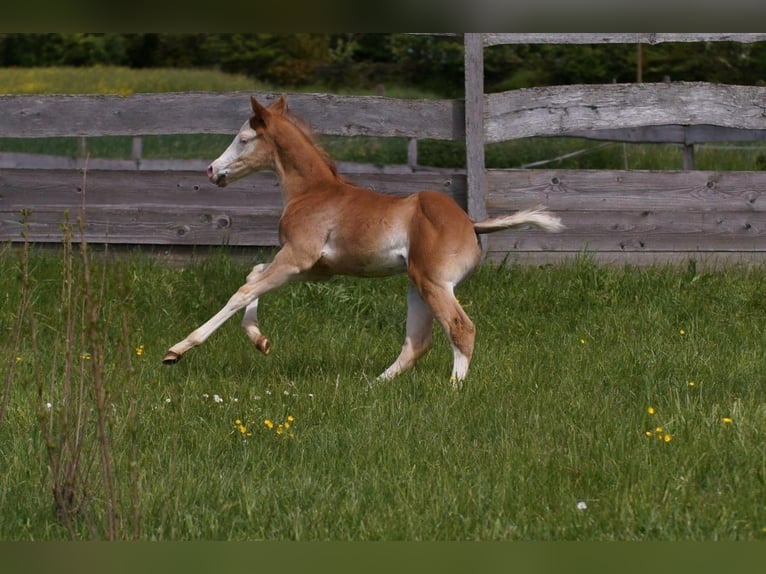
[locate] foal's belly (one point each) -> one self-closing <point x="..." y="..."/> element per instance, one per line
<point x="376" y="263"/>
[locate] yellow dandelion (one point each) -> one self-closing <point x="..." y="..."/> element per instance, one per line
<point x="85" y="356"/>
<point x="583" y="341"/>
<point x="659" y="430"/>
<point x="682" y="332"/>
<point x="286" y="425"/>
<point x="727" y="420"/>
<point x="269" y="424"/>
<point x="667" y="437"/>
<point x="290" y="418"/>
<point x="139" y="350"/>
<point x="237" y="422"/>
<point x="691" y="384"/>
<point x="18" y="359"/>
<point x="650" y="410"/>
<point x="648" y="434"/>
<point x="280" y="429"/>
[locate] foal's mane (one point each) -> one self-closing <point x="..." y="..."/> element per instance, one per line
<point x="305" y="129"/>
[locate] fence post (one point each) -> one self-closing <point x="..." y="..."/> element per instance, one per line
<point x="137" y="150"/>
<point x="688" y="157"/>
<point x="474" y="127"/>
<point x="82" y="147"/>
<point x="412" y="152"/>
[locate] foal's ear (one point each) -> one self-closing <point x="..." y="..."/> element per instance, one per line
<point x="280" y="106"/>
<point x="260" y="113"/>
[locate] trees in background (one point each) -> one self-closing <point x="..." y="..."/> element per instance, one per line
<point x="430" y="63"/>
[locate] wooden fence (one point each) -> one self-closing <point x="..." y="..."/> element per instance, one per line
<point x="617" y="216"/>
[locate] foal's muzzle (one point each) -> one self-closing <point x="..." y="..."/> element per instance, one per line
<point x="218" y="178"/>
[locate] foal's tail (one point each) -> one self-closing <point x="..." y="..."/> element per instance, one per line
<point x="538" y="216"/>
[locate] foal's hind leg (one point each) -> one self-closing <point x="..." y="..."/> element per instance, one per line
<point x="418" y="339"/>
<point x="456" y="324"/>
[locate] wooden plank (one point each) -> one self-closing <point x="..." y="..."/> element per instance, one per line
<point x="643" y="232"/>
<point x="570" y="110"/>
<point x="23" y="188"/>
<point x="203" y="112"/>
<point x="703" y="260"/>
<point x="154" y="226"/>
<point x="614" y="190"/>
<point x="31" y="161"/>
<point x="452" y="184"/>
<point x="688" y="135"/>
<point x="170" y="207"/>
<point x="635" y="212"/>
<point x="617" y="38"/>
<point x="69" y="188"/>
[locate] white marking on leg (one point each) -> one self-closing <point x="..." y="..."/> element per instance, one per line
<point x="418" y="339"/>
<point x="201" y="333"/>
<point x="459" y="368"/>
<point x="250" y="320"/>
<point x="265" y="279"/>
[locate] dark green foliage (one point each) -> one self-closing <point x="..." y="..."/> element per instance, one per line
<point x="364" y="61"/>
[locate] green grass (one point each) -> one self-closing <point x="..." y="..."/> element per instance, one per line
<point x="119" y="80"/>
<point x="553" y="413"/>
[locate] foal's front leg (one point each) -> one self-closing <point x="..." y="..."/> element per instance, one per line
<point x="260" y="281"/>
<point x="250" y="320"/>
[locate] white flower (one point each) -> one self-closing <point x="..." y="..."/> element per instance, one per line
<point x="205" y="396"/>
<point x="582" y="505"/>
<point x="48" y="406"/>
<point x="217" y="398"/>
<point x="167" y="400"/>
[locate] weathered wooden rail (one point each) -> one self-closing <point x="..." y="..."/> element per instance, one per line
<point x="626" y="216"/>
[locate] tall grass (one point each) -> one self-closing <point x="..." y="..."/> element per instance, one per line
<point x="551" y="437"/>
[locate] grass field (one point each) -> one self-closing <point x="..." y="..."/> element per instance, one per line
<point x="602" y="404"/>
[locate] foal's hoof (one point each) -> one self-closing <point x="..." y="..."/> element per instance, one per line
<point x="263" y="345"/>
<point x="171" y="357"/>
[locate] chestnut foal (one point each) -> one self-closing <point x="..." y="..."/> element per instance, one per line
<point x="330" y="226"/>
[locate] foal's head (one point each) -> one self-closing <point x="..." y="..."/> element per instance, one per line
<point x="250" y="151"/>
<point x="269" y="132"/>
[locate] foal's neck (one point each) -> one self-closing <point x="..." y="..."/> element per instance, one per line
<point x="299" y="163"/>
